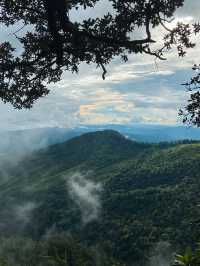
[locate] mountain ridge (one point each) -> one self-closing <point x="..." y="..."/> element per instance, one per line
<point x="18" y="143"/>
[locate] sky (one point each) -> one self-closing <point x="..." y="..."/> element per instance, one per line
<point x="141" y="90"/>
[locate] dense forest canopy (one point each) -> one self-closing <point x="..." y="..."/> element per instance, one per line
<point x="129" y="201"/>
<point x="52" y="42"/>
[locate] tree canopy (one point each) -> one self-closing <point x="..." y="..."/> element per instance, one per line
<point x="191" y="113"/>
<point x="53" y="42"/>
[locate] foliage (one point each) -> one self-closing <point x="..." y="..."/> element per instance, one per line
<point x="150" y="193"/>
<point x="191" y="113"/>
<point x="189" y="258"/>
<point x="53" y="42"/>
<point x="54" y="250"/>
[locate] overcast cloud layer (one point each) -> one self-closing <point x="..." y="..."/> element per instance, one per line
<point x="139" y="91"/>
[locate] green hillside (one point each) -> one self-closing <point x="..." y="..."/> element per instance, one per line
<point x="106" y="191"/>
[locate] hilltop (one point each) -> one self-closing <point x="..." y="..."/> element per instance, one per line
<point x="17" y="143"/>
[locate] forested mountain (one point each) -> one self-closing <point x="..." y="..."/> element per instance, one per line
<point x="17" y="143"/>
<point x="106" y="191"/>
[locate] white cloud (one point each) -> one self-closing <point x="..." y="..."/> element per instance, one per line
<point x="86" y="194"/>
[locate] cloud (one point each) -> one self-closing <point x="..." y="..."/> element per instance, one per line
<point x="190" y="8"/>
<point x="162" y="254"/>
<point x="23" y="211"/>
<point x="23" y="214"/>
<point x="86" y="194"/>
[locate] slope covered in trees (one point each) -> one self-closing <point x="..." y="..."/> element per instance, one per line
<point x="106" y="191"/>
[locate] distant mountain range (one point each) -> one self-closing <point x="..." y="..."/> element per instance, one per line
<point x="151" y="133"/>
<point x="19" y="143"/>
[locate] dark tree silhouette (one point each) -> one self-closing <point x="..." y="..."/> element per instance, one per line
<point x="56" y="44"/>
<point x="191" y="113"/>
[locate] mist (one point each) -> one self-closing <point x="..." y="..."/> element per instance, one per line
<point x="162" y="254"/>
<point x="19" y="143"/>
<point x="86" y="194"/>
<point x="23" y="214"/>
